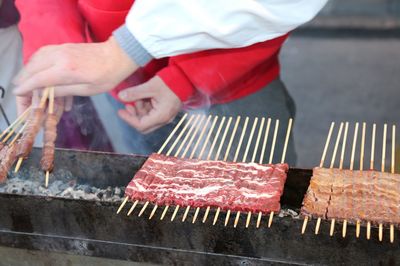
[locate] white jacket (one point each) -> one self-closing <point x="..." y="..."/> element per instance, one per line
<point x="172" y="27"/>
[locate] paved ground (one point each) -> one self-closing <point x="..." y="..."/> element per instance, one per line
<point x="339" y="79"/>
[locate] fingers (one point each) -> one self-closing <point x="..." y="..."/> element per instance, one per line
<point x="22" y="104"/>
<point x="39" y="80"/>
<point x="136" y="93"/>
<point x="143" y="124"/>
<point x="69" y="101"/>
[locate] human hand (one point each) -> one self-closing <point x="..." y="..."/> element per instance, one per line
<point x="155" y="105"/>
<point x="75" y="69"/>
<point x="23" y="103"/>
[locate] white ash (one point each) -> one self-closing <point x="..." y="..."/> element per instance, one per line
<point x="289" y="212"/>
<point x="61" y="184"/>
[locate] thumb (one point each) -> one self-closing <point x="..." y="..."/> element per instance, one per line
<point x="136" y="93"/>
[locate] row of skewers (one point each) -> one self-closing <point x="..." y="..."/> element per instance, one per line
<point x="16" y="141"/>
<point x="188" y="135"/>
<point x="343" y="131"/>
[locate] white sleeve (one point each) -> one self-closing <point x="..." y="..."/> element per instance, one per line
<point x="171" y="27"/>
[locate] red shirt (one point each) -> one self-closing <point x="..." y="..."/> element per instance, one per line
<point x="202" y="78"/>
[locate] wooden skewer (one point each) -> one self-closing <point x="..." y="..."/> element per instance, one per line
<point x="271" y="156"/>
<point x="175" y="212"/>
<point x="225" y="158"/>
<point x="228" y="214"/>
<point x="331" y="166"/>
<point x="383" y="170"/>
<point x="172" y="133"/>
<point x="244" y="160"/>
<point x="208" y="136"/>
<point x="193" y="126"/>
<point x="196" y="213"/>
<point x="17" y="121"/>
<point x="246" y="121"/>
<point x="253" y="128"/>
<point x="51" y="111"/>
<point x="258" y="220"/>
<point x="248" y="219"/>
<point x="153" y="211"/>
<point x="200" y="137"/>
<point x="143" y="208"/>
<point x="193" y="136"/>
<point x="164" y="212"/>
<point x="236" y="219"/>
<point x="180" y="135"/>
<point x="122" y="205"/>
<point x="371" y="167"/>
<point x="223" y="138"/>
<point x="216" y="215"/>
<point x="328" y="139"/>
<point x="232" y="138"/>
<point x="41" y="105"/>
<point x="11" y="133"/>
<point x="132" y="208"/>
<point x="346" y="128"/>
<point x="185" y="213"/>
<point x="221" y="124"/>
<point x="265" y="141"/>
<point x="18" y="135"/>
<point x="286" y="140"/>
<point x="206" y="214"/>
<point x="253" y="158"/>
<point x="358" y="223"/>
<point x="353" y="150"/>
<point x="393" y="171"/>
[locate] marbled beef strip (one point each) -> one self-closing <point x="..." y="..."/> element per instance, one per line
<point x="187" y="182"/>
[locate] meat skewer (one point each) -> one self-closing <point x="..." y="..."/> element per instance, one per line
<point x="371" y="167"/>
<point x="358" y="223"/>
<point x="303" y="229"/>
<point x="8" y="156"/>
<point x="393" y="171"/>
<point x="244" y="160"/>
<point x="383" y="170"/>
<point x="15" y="123"/>
<point x="159" y="151"/>
<point x="50" y="135"/>
<point x="33" y="125"/>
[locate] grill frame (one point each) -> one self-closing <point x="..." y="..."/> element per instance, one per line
<point x="92" y="228"/>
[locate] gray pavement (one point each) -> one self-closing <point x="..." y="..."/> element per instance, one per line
<point x="339" y="79"/>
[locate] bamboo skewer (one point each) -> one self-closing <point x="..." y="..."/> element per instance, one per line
<point x="353" y="150"/>
<point x="17" y="121"/>
<point x="223" y="138"/>
<point x="175" y="212"/>
<point x="193" y="126"/>
<point x="244" y="160"/>
<point x="200" y="137"/>
<point x="383" y="170"/>
<point x="346" y="128"/>
<point x="172" y="133"/>
<point x="206" y="215"/>
<point x="159" y="151"/>
<point x="371" y="167"/>
<point x="185" y="213"/>
<point x="196" y="213"/>
<point x="246" y="121"/>
<point x="193" y="136"/>
<point x="153" y="211"/>
<point x="41" y="105"/>
<point x="392" y="170"/>
<point x="271" y="156"/>
<point x="225" y="158"/>
<point x="143" y="208"/>
<point x="51" y="111"/>
<point x="132" y="208"/>
<point x="179" y="136"/>
<point x="208" y="137"/>
<point x="304" y="226"/>
<point x="265" y="141"/>
<point x="232" y="138"/>
<point x="164" y="212"/>
<point x="331" y="166"/>
<point x="358" y="222"/>
<point x="228" y="214"/>
<point x="221" y="124"/>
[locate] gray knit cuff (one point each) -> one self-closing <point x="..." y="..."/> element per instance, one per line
<point x="131" y="46"/>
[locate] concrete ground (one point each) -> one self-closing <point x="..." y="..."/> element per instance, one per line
<point x="340" y="79"/>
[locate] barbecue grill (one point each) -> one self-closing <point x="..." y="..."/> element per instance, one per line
<point x="90" y="227"/>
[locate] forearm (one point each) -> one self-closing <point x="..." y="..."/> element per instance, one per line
<point x="156" y="29"/>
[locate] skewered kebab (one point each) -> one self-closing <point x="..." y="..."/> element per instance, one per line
<point x="50" y="135"/>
